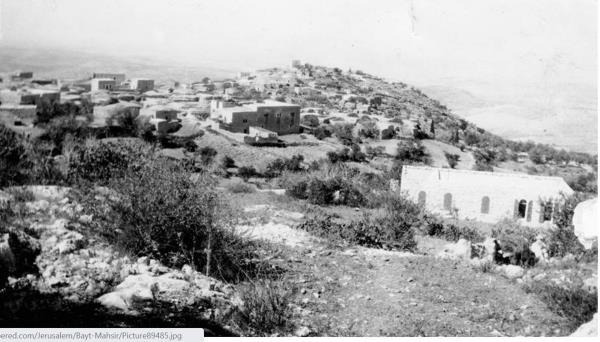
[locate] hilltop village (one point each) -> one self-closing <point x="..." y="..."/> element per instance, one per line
<point x="350" y="204"/>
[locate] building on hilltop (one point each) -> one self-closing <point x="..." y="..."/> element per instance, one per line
<point x="279" y="117"/>
<point x="103" y="84"/>
<point x="118" y="78"/>
<point x="484" y="196"/>
<point x="142" y="84"/>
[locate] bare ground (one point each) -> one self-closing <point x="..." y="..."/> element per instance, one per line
<point x="369" y="292"/>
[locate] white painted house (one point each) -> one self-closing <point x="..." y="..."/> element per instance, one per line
<point x="484" y="196"/>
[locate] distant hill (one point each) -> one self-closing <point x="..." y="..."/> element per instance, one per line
<point x="567" y="118"/>
<point x="76" y="65"/>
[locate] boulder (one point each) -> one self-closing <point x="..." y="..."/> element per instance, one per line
<point x="460" y="250"/>
<point x="585" y="222"/>
<point x="512" y="271"/>
<point x="589" y="329"/>
<point x="540" y="250"/>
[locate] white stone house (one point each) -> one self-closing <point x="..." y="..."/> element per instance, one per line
<point x="103" y="84"/>
<point x="484" y="196"/>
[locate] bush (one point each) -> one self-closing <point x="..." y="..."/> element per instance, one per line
<point x="344" y="133"/>
<point x="452" y="159"/>
<point x="388" y="133"/>
<point x="13" y="161"/>
<point x="277" y="166"/>
<point x="227" y="162"/>
<point x="239" y="187"/>
<point x="160" y="212"/>
<point x="561" y="240"/>
<point x="100" y="161"/>
<point x="513" y="236"/>
<point x="572" y="302"/>
<point x="310" y="120"/>
<point x="246" y="172"/>
<point x="321" y="133"/>
<point x="207" y="155"/>
<point x="369" y="130"/>
<point x="412" y="151"/>
<point x="393" y="227"/>
<point x="452" y="231"/>
<point x="265" y="308"/>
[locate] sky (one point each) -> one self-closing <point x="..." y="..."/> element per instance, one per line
<point x="423" y="42"/>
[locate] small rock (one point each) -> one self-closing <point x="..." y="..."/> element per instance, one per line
<point x="302" y="332"/>
<point x="410" y="279"/>
<point x="303" y="291"/>
<point x="316" y="295"/>
<point x="512" y="271"/>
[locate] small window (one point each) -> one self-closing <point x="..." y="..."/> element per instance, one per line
<point x="422" y="198"/>
<point x="521" y="209"/>
<point x="448" y="201"/>
<point x="485" y="205"/>
<point x="245" y="120"/>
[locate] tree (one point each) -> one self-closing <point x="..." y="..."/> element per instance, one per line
<point x="452" y="159"/>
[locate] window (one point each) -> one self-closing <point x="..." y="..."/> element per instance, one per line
<point x="485" y="205"/>
<point x="448" y="201"/>
<point x="520" y="208"/>
<point x="422" y="198"/>
<point x="293" y="116"/>
<point x="245" y="120"/>
<point x="546" y="209"/>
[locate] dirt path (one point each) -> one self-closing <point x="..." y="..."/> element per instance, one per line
<point x="368" y="292"/>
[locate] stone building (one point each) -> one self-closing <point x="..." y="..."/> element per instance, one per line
<point x="29" y="96"/>
<point x="484" y="196"/>
<point x="142" y="84"/>
<point x="103" y="84"/>
<point x="118" y="78"/>
<point x="278" y="117"/>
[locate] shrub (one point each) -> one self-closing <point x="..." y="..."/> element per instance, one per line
<point x="344" y="133"/>
<point x="452" y="159"/>
<point x="159" y="211"/>
<point x="391" y="228"/>
<point x="561" y="240"/>
<point x="412" y="151"/>
<point x="246" y="172"/>
<point x="227" y="162"/>
<point x="207" y="155"/>
<point x="265" y="307"/>
<point x="369" y="130"/>
<point x="100" y="161"/>
<point x="321" y="133"/>
<point x="452" y="231"/>
<point x="572" y="302"/>
<point x="388" y="133"/>
<point x="239" y="187"/>
<point x="513" y="236"/>
<point x="277" y="166"/>
<point x="310" y="120"/>
<point x="13" y="161"/>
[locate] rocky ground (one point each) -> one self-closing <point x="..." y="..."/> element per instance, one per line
<point x="336" y="290"/>
<point x="80" y="268"/>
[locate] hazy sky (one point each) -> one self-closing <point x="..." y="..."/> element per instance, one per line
<point x="420" y="41"/>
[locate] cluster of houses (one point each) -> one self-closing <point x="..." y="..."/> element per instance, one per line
<point x="465" y="194"/>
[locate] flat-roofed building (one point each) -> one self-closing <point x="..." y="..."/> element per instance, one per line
<point x="103" y="84"/>
<point x="484" y="196"/>
<point x="142" y="84"/>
